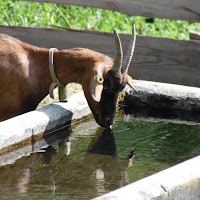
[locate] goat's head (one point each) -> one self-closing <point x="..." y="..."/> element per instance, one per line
<point x="107" y="81"/>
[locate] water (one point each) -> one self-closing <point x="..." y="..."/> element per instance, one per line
<point x="86" y="161"/>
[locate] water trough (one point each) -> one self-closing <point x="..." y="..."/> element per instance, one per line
<point x="181" y="101"/>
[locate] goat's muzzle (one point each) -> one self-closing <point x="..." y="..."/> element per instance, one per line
<point x="105" y="122"/>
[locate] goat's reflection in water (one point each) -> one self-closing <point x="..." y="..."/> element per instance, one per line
<point x="100" y="170"/>
<point x="109" y="170"/>
<point x="102" y="166"/>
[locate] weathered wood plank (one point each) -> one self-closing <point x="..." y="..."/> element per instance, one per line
<point x="155" y="59"/>
<point x="194" y="35"/>
<point x="188" y="10"/>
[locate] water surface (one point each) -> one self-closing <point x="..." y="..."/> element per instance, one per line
<point x="86" y="161"/>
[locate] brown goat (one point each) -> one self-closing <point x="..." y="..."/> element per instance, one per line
<point x="25" y="76"/>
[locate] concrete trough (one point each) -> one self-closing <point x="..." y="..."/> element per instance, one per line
<point x="44" y="120"/>
<point x="182" y="181"/>
<point x="163" y="100"/>
<point x="163" y="96"/>
<point x="150" y="94"/>
<point x="179" y="182"/>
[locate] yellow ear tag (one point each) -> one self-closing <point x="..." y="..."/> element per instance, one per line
<point x="129" y="78"/>
<point x="100" y="79"/>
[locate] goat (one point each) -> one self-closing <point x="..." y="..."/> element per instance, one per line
<point x="26" y="78"/>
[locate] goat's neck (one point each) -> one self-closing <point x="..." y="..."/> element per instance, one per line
<point x="73" y="65"/>
<point x="69" y="67"/>
<point x="76" y="65"/>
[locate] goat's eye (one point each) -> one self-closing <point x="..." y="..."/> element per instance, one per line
<point x="100" y="79"/>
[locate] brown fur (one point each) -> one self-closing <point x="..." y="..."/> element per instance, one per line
<point x="25" y="76"/>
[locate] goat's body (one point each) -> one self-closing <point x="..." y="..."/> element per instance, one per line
<point x="25" y="76"/>
<point x="19" y="82"/>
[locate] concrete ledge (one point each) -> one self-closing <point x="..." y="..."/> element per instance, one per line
<point x="30" y="124"/>
<point x="84" y="129"/>
<point x="163" y="96"/>
<point x="180" y="182"/>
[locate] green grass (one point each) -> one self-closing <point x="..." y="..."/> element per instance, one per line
<point x="16" y="13"/>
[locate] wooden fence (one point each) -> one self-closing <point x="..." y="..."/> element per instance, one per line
<point x="155" y="59"/>
<point x="188" y="10"/>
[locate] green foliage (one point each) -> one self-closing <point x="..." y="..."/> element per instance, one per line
<point x="22" y="13"/>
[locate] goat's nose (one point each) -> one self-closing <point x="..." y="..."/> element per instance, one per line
<point x="105" y="121"/>
<point x="108" y="122"/>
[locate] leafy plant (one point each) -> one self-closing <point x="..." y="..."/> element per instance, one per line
<point x="22" y="13"/>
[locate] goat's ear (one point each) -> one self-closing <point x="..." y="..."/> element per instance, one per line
<point x="129" y="82"/>
<point x="96" y="86"/>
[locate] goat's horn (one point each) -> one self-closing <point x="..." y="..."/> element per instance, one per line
<point x="129" y="55"/>
<point x="118" y="53"/>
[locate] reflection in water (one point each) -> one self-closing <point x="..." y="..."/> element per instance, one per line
<point x="54" y="171"/>
<point x="110" y="171"/>
<point x="103" y="143"/>
<point x="87" y="164"/>
<point x="24" y="181"/>
<point x="65" y="147"/>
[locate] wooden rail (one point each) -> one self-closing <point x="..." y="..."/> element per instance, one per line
<point x="155" y="59"/>
<point x="188" y="10"/>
